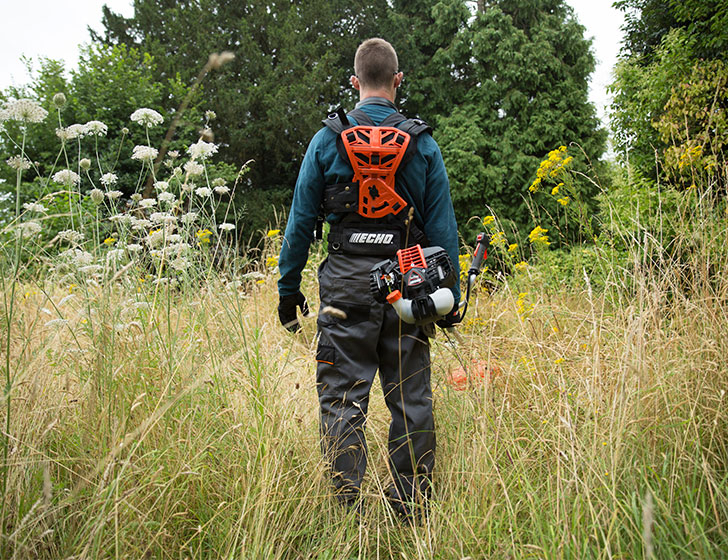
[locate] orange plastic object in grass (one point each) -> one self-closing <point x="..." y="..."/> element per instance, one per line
<point x="460" y="380"/>
<point x="375" y="153"/>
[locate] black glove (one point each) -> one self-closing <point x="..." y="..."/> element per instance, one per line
<point x="451" y="319"/>
<point x="287" y="310"/>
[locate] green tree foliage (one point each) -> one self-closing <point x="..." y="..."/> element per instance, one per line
<point x="111" y="82"/>
<point x="292" y="63"/>
<point x="504" y="86"/>
<point x="664" y="38"/>
<point x="649" y="21"/>
<point x="502" y="89"/>
<point x="640" y="95"/>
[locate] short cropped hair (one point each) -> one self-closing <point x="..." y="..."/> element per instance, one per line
<point x="375" y="63"/>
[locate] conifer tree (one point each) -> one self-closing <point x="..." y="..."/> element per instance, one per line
<point x="509" y="84"/>
<point x="292" y="63"/>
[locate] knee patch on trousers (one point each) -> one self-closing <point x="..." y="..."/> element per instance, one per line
<point x="326" y="355"/>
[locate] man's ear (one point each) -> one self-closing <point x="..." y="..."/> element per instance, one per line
<point x="355" y="82"/>
<point x="398" y="79"/>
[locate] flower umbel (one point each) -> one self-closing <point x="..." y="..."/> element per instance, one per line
<point x="147" y="117"/>
<point x="25" y="111"/>
<point x="67" y="177"/>
<point x="144" y="153"/>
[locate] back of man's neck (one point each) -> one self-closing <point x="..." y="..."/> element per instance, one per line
<point x="376" y="100"/>
<point x="376" y="93"/>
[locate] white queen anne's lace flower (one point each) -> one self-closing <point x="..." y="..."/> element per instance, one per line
<point x="28" y="229"/>
<point x="227" y="227"/>
<point x="70" y="235"/>
<point x="115" y="255"/>
<point x="144" y="153"/>
<point x="67" y="177"/>
<point x="147" y="203"/>
<point x="193" y="168"/>
<point x="108" y="179"/>
<point x="140" y="224"/>
<point x="156" y="237"/>
<point x="96" y="128"/>
<point x="163" y="217"/>
<point x="180" y="263"/>
<point x="25" y="111"/>
<point x="64" y="134"/>
<point x="35" y="207"/>
<point x="75" y="131"/>
<point x="147" y="117"/>
<point x="161" y="185"/>
<point x="202" y="150"/>
<point x="222" y="190"/>
<point x="19" y="163"/>
<point x="78" y="257"/>
<point x="203" y="191"/>
<point x="189" y="218"/>
<point x="166" y="197"/>
<point x="113" y="195"/>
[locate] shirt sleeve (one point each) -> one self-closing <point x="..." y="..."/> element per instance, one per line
<point x="307" y="197"/>
<point x="440" y="223"/>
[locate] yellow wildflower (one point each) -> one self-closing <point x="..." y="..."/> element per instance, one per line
<point x="488" y="220"/>
<point x="203" y="235"/>
<point x="535" y="185"/>
<point x="512" y="247"/>
<point x="109" y="241"/>
<point x="538" y="236"/>
<point x="498" y="239"/>
<point x="555" y="190"/>
<point x="523" y="307"/>
<point x="273" y="232"/>
<point x="463" y="261"/>
<point x="521" y="266"/>
<point x="559" y="361"/>
<point x="272" y="262"/>
<point x="564" y="201"/>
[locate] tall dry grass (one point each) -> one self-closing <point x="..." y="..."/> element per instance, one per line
<point x="161" y="422"/>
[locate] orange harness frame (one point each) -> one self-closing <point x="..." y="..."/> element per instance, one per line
<point x="375" y="153"/>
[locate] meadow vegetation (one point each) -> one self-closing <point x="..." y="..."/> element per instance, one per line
<point x="154" y="408"/>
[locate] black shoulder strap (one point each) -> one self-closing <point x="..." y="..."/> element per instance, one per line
<point x="415" y="127"/>
<point x="362" y="118"/>
<point x="337" y="121"/>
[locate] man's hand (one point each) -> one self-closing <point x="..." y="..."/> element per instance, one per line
<point x="287" y="310"/>
<point x="451" y="319"/>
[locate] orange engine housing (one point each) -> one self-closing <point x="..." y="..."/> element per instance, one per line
<point x="375" y="153"/>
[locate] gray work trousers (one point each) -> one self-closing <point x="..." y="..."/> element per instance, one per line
<point x="351" y="349"/>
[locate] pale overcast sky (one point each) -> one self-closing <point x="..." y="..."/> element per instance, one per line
<point x="55" y="28"/>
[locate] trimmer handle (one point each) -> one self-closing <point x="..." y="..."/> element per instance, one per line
<point x="481" y="252"/>
<point x="479" y="255"/>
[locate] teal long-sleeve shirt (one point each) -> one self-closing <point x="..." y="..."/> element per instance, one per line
<point x="423" y="183"/>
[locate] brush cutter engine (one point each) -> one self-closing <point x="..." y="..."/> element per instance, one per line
<point x="417" y="284"/>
